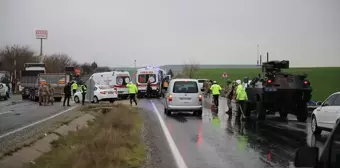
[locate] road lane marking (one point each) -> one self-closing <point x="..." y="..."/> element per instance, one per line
<point x="37" y="122"/>
<point x="174" y="150"/>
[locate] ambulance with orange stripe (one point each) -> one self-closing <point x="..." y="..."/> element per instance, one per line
<point x="152" y="74"/>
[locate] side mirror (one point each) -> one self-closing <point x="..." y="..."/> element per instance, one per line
<point x="319" y="103"/>
<point x="306" y="157"/>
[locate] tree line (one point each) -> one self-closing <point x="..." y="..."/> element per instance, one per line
<point x="13" y="58"/>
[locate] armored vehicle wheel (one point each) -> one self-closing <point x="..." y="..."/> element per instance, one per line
<point x="283" y="114"/>
<point x="302" y="113"/>
<point x="260" y="112"/>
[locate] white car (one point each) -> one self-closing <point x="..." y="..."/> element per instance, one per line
<point x="101" y="93"/>
<point x="4" y="91"/>
<point x="327" y="114"/>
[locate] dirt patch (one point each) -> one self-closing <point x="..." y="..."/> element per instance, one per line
<point x="111" y="140"/>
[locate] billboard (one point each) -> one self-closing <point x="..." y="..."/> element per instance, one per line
<point x="41" y="34"/>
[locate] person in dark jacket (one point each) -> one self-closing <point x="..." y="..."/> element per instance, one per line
<point x="67" y="94"/>
<point x="148" y="89"/>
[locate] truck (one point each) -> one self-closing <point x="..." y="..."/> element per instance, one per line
<point x="56" y="80"/>
<point x="277" y="91"/>
<point x="28" y="79"/>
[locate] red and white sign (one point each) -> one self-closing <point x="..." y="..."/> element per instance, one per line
<point x="41" y="34"/>
<point x="224" y="75"/>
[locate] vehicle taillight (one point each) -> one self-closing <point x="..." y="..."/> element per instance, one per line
<point x="305" y="82"/>
<point x="170" y="98"/>
<point x="102" y="92"/>
<point x="270" y="81"/>
<point x="200" y="97"/>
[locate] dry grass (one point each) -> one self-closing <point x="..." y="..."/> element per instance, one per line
<point x="111" y="141"/>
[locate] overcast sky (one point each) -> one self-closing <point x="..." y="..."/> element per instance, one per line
<point x="116" y="32"/>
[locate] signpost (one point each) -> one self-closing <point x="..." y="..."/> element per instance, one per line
<point x="41" y="34"/>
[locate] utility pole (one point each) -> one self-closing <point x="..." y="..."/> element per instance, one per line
<point x="41" y="47"/>
<point x="258" y="50"/>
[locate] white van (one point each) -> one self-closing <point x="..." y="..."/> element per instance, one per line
<point x="116" y="79"/>
<point x="183" y="95"/>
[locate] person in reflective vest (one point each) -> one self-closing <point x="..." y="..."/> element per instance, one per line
<point x="215" y="89"/>
<point x="132" y="92"/>
<point x="241" y="100"/>
<point x="74" y="87"/>
<point x="83" y="93"/>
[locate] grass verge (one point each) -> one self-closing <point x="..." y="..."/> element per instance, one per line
<point x="324" y="80"/>
<point x="112" y="140"/>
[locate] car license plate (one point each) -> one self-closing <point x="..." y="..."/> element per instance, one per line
<point x="185" y="98"/>
<point x="120" y="91"/>
<point x="110" y="92"/>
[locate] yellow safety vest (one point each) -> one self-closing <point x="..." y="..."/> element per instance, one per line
<point x="132" y="88"/>
<point x="215" y="88"/>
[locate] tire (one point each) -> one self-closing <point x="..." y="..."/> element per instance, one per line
<point x="314" y="127"/>
<point x="302" y="113"/>
<point x="167" y="112"/>
<point x="5" y="98"/>
<point x="95" y="99"/>
<point x="199" y="113"/>
<point x="283" y="114"/>
<point x="76" y="99"/>
<point x="261" y="114"/>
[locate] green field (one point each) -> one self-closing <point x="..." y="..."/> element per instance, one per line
<point x="324" y="81"/>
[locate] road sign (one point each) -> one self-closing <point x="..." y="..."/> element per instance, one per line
<point x="41" y="34"/>
<point x="224" y="75"/>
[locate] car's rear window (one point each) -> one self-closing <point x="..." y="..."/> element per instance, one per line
<point x="201" y="81"/>
<point x="185" y="87"/>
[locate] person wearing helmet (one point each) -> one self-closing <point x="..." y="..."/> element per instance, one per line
<point x="241" y="98"/>
<point x="228" y="90"/>
<point x="215" y="89"/>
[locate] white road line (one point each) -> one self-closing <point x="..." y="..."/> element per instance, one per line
<point x="6" y="112"/>
<point x="174" y="150"/>
<point x="37" y="122"/>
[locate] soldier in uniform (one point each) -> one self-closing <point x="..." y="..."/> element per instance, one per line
<point x="208" y="88"/>
<point x="45" y="94"/>
<point x="51" y="94"/>
<point x="40" y="91"/>
<point x="228" y="89"/>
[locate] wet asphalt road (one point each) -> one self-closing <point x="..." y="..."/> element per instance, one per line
<point x="15" y="113"/>
<point x="217" y="141"/>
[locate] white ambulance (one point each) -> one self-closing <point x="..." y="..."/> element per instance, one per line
<point x="116" y="79"/>
<point x="152" y="74"/>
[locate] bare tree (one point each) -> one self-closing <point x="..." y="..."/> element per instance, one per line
<point x="13" y="58"/>
<point x="56" y="63"/>
<point x="190" y="69"/>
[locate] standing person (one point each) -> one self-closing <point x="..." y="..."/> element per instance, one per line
<point x="67" y="94"/>
<point x="241" y="98"/>
<point x="228" y="91"/>
<point x="74" y="87"/>
<point x="45" y="94"/>
<point x="51" y="96"/>
<point x="148" y="89"/>
<point x="83" y="93"/>
<point x="40" y="91"/>
<point x="215" y="89"/>
<point x="132" y="92"/>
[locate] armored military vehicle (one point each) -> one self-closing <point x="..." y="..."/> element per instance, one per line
<point x="276" y="91"/>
